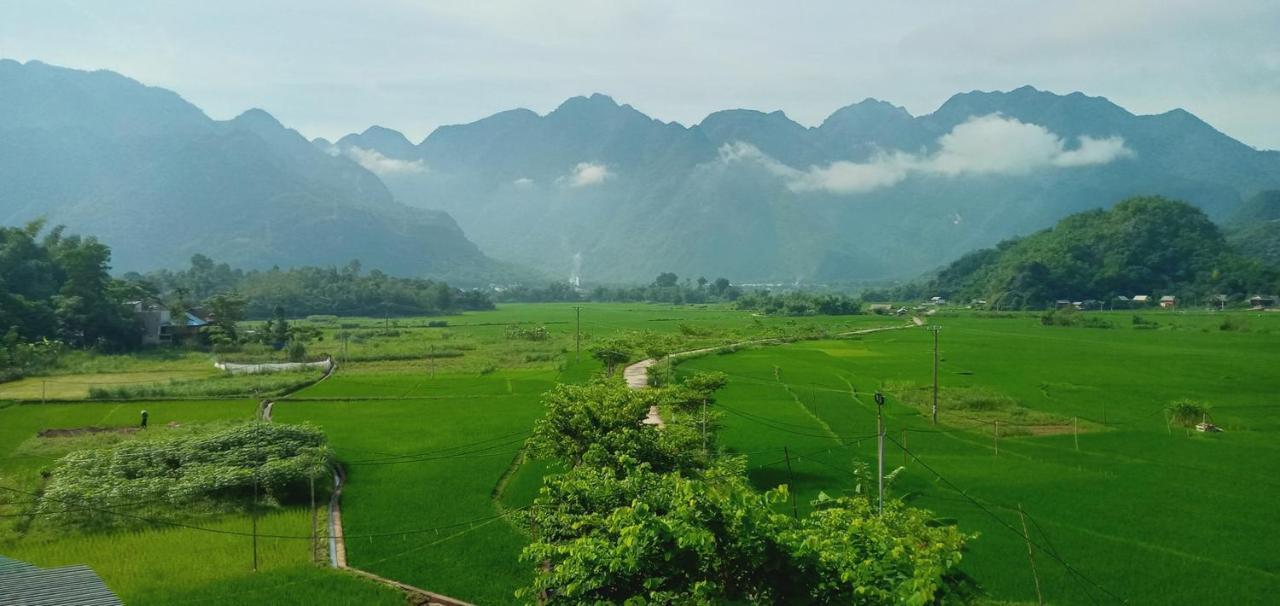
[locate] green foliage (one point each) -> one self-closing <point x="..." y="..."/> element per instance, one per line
<point x="533" y="333"/>
<point x="314" y="291"/>
<point x="598" y="424"/>
<point x="57" y="287"/>
<point x="1146" y="245"/>
<point x="666" y="288"/>
<point x="655" y="538"/>
<point x="221" y="465"/>
<point x="799" y="304"/>
<point x="297" y="351"/>
<point x="612" y="352"/>
<point x="1187" y="413"/>
<point x="1072" y="318"/>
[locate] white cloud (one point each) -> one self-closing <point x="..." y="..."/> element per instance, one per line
<point x="380" y="165"/>
<point x="1094" y="151"/>
<point x="986" y="145"/>
<point x="523" y="182"/>
<point x="854" y="177"/>
<point x="586" y="173"/>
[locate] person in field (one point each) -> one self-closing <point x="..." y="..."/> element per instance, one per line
<point x="144" y="419"/>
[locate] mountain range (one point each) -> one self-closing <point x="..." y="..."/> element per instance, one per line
<point x="156" y="179"/>
<point x="594" y="190"/>
<point x="600" y="190"/>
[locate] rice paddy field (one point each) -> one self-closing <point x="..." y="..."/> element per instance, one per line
<point x="428" y="422"/>
<point x="1141" y="511"/>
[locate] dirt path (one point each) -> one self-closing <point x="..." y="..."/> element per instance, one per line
<point x="637" y="375"/>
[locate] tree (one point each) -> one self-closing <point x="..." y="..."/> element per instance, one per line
<point x="666" y="280"/>
<point x="662" y="538"/>
<point x="599" y="424"/>
<point x="225" y="311"/>
<point x="279" y="326"/>
<point x="611" y="353"/>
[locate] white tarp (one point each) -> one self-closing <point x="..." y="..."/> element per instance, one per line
<point x="240" y="369"/>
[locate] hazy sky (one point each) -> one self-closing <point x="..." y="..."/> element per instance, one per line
<point x="332" y="68"/>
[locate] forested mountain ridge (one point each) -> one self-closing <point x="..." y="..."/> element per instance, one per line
<point x="873" y="192"/>
<point x="1142" y="246"/>
<point x="156" y="179"/>
<point x="1254" y="227"/>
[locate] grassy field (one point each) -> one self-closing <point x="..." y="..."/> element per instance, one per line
<point x="1143" y="511"/>
<point x="428" y="422"/>
<point x="162" y="564"/>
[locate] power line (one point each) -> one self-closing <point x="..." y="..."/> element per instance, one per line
<point x="1009" y="527"/>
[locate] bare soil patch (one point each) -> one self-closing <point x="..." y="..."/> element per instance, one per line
<point x="81" y="431"/>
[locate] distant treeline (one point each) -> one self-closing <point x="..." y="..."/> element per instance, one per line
<point x="304" y="291"/>
<point x="668" y="288"/>
<point x="1141" y="246"/>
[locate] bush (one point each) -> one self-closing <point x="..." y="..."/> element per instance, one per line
<point x="297" y="351"/>
<point x="1233" y="324"/>
<point x="1187" y="413"/>
<point x="538" y="333"/>
<point x="218" y="466"/>
<point x="437" y="323"/>
<point x="1072" y="318"/>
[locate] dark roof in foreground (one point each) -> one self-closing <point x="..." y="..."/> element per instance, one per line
<point x="22" y="584"/>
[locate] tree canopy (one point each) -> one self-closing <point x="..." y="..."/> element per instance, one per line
<point x="1144" y="245"/>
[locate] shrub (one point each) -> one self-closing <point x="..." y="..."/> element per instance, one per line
<point x="437" y="323"/>
<point x="1233" y="324"/>
<point x="1187" y="413"/>
<point x="297" y="351"/>
<point x="538" y="333"/>
<point x="217" y="466"/>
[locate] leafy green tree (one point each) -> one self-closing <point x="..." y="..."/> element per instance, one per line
<point x="279" y="325"/>
<point x="598" y="424"/>
<point x="226" y="312"/>
<point x="611" y="353"/>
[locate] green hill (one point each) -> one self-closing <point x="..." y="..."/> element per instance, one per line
<point x="1147" y="245"/>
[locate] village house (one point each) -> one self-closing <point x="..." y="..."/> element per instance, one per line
<point x="1141" y="299"/>
<point x="1168" y="302"/>
<point x="159" y="326"/>
<point x="1262" y="301"/>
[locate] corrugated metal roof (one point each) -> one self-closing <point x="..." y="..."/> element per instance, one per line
<point x="22" y="584"/>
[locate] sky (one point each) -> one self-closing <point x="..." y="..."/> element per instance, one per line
<point x="330" y="68"/>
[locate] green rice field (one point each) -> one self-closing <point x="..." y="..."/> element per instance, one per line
<point x="429" y="422"/>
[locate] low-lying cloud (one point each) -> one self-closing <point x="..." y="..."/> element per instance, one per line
<point x="380" y="165"/>
<point x="585" y="174"/>
<point x="986" y="145"/>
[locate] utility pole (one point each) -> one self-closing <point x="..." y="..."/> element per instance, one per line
<point x="1031" y="555"/>
<point x="704" y="426"/>
<point x="935" y="329"/>
<point x="313" y="514"/>
<point x="253" y="511"/>
<point x="577" y="335"/>
<point x="904" y="448"/>
<point x="880" y="452"/>
<point x="791" y="483"/>
<point x="995" y="434"/>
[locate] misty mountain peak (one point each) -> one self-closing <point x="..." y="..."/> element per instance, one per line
<point x="256" y="119"/>
<point x="386" y="141"/>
